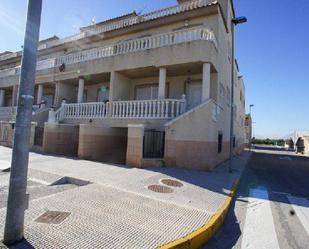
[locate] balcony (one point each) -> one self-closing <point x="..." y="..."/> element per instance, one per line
<point x="98" y="29"/>
<point x="136" y="45"/>
<point x="159" y="109"/>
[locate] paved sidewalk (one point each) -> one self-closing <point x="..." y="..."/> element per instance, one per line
<point x="117" y="210"/>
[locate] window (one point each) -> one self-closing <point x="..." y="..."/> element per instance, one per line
<point x="220" y="138"/>
<point x="234" y="142"/>
<point x="103" y="94"/>
<point x="145" y="92"/>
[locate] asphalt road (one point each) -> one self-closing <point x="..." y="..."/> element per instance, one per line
<point x="271" y="208"/>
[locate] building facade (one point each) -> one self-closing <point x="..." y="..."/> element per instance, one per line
<point x="151" y="89"/>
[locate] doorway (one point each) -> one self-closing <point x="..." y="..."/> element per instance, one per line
<point x="193" y="94"/>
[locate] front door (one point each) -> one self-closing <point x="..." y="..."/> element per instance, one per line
<point x="193" y="94"/>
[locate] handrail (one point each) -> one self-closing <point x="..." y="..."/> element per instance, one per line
<point x="135" y="109"/>
<point x="160" y="40"/>
<point x="153" y="109"/>
<point x="140" y="44"/>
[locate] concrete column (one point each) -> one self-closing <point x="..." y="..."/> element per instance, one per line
<point x="15" y="95"/>
<point x="64" y="91"/>
<point x="40" y="94"/>
<point x="206" y="82"/>
<point x="162" y="83"/>
<point x="81" y="86"/>
<point x="2" y="97"/>
<point x="135" y="145"/>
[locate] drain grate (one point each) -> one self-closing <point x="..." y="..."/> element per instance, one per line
<point x="160" y="189"/>
<point x="172" y="183"/>
<point x="52" y="217"/>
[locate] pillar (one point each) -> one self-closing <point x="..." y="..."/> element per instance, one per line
<point x="64" y="91"/>
<point x="15" y="95"/>
<point x="206" y="82"/>
<point x="162" y="83"/>
<point x="81" y="86"/>
<point x="40" y="94"/>
<point x="2" y="97"/>
<point x="135" y="145"/>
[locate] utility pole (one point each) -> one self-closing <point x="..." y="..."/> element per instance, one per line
<point x="18" y="199"/>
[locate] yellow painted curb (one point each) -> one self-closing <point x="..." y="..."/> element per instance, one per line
<point x="199" y="237"/>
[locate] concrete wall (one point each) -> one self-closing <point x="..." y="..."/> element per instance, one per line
<point x="40" y="117"/>
<point x="103" y="144"/>
<point x="61" y="139"/>
<point x="191" y="140"/>
<point x="135" y="145"/>
<point x="7" y="130"/>
<point x="65" y="91"/>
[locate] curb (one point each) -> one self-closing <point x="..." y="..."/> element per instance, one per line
<point x="199" y="237"/>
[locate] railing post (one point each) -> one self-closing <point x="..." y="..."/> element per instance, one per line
<point x="184" y="104"/>
<point x="52" y="116"/>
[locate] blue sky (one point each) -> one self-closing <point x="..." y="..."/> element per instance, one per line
<point x="272" y="49"/>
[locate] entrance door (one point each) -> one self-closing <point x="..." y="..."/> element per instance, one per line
<point x="193" y="94"/>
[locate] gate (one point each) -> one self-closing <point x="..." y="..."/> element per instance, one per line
<point x="38" y="136"/>
<point x="153" y="146"/>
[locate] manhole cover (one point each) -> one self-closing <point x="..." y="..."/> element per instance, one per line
<point x="53" y="217"/>
<point x="160" y="189"/>
<point x="172" y="183"/>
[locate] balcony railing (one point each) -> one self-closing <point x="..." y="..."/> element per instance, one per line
<point x="141" y="44"/>
<point x="136" y="109"/>
<point x="156" y="41"/>
<point x="152" y="109"/>
<point x="82" y="110"/>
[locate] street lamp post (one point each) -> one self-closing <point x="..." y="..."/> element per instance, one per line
<point x="18" y="199"/>
<point x="235" y="21"/>
<point x="250" y="109"/>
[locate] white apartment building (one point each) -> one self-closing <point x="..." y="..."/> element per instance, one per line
<point x="141" y="90"/>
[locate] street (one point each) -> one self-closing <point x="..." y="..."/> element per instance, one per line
<point x="271" y="208"/>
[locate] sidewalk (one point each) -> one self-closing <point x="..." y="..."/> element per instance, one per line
<point x="117" y="209"/>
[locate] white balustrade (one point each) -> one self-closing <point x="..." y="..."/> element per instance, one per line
<point x="82" y="110"/>
<point x="160" y="40"/>
<point x="136" y="109"/>
<point x="156" y="41"/>
<point x="148" y="109"/>
<point x="7" y="72"/>
<point x="45" y="64"/>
